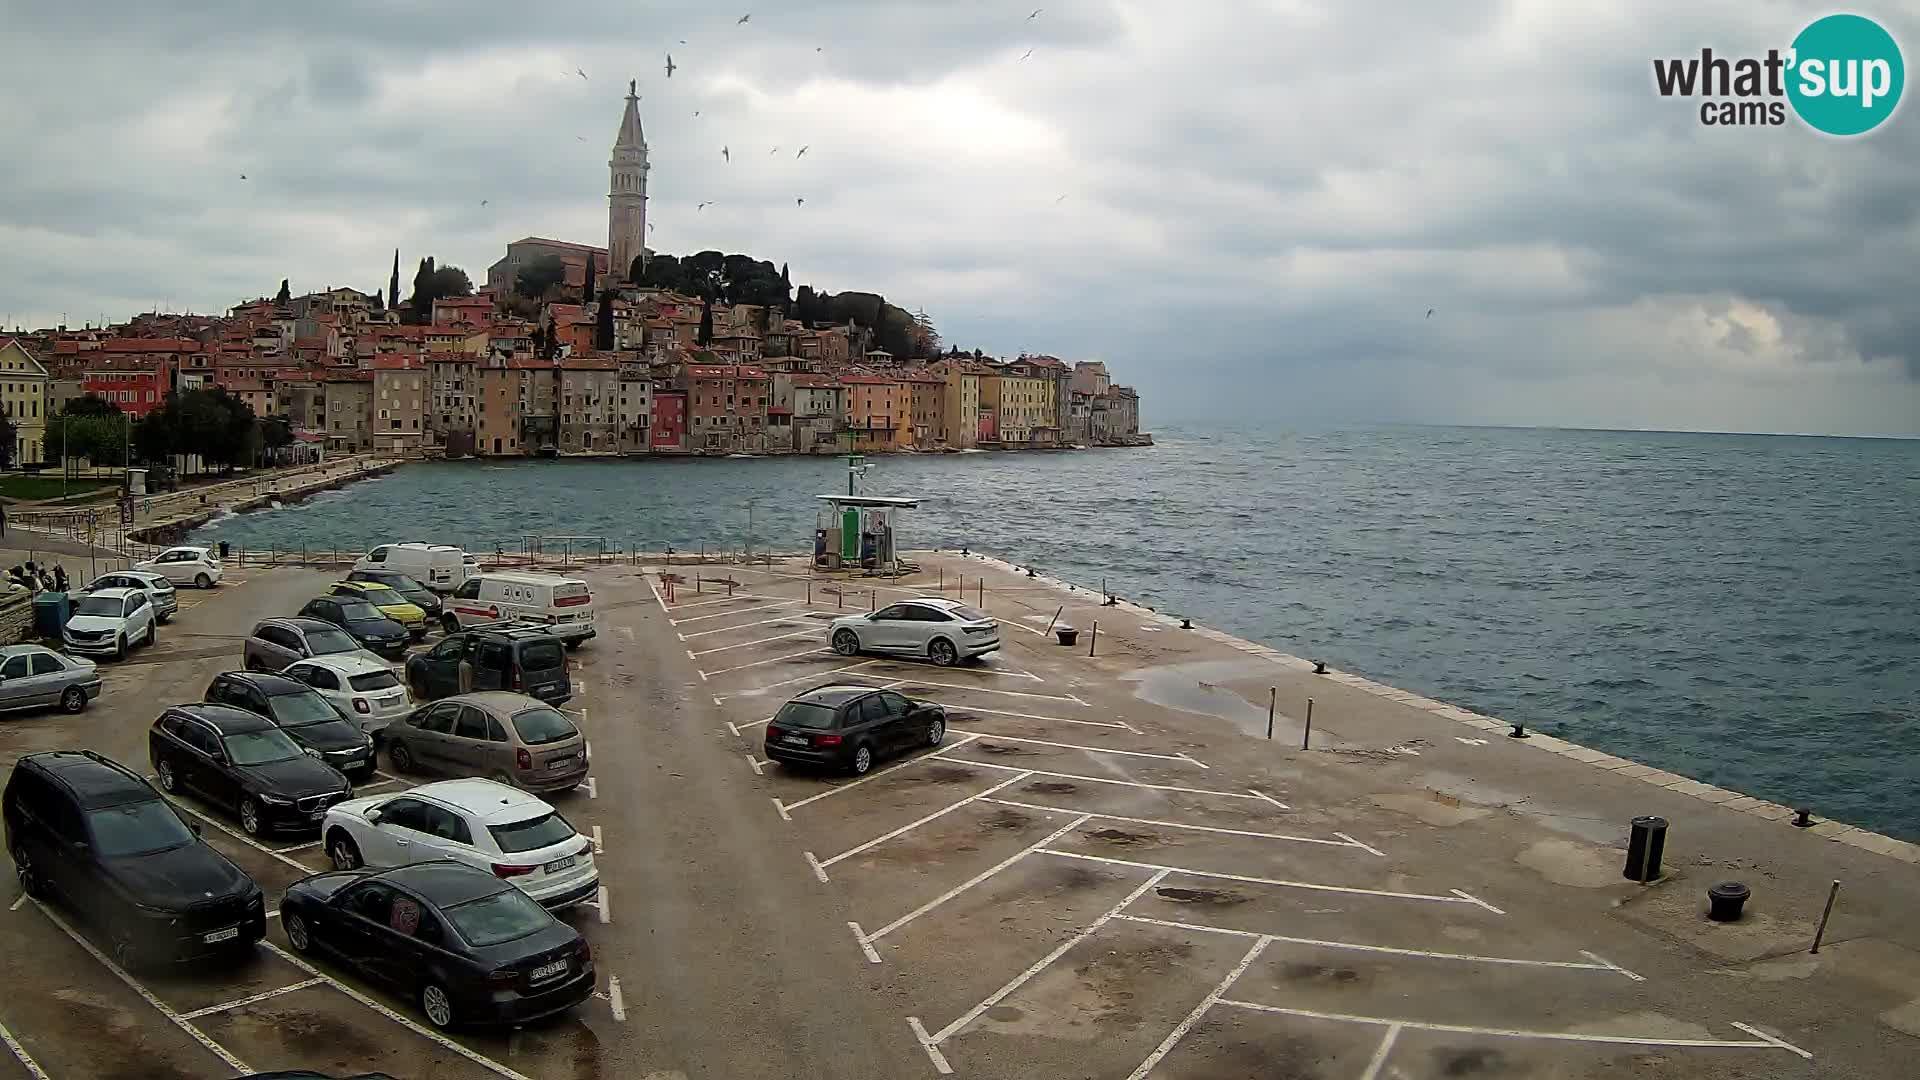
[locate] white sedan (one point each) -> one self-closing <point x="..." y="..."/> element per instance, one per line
<point x="360" y="685"/>
<point x="482" y="823"/>
<point x="196" y="566"/>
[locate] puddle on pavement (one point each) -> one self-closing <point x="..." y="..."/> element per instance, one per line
<point x="1198" y="688"/>
<point x="1123" y="837"/>
<point x="1526" y="804"/>
<point x="1005" y="819"/>
<point x="1207" y="897"/>
<point x="1053" y="787"/>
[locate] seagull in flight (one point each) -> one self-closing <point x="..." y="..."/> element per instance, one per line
<point x="582" y="74"/>
<point x="773" y="151"/>
<point x="726" y="153"/>
<point x="803" y="152"/>
<point x="483" y="202"/>
<point x="243" y="176"/>
<point x="1028" y="53"/>
<point x="670" y="65"/>
<point x="799" y="202"/>
<point x="1429" y="313"/>
<point x="696" y="113"/>
<point x="580" y="138"/>
<point x="1058" y="201"/>
<point x="703" y="206"/>
<point x="742" y="20"/>
<point x="1036" y="14"/>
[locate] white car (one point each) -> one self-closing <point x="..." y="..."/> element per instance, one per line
<point x="108" y="622"/>
<point x="482" y="823"/>
<point x="360" y="685"/>
<point x="196" y="566"/>
<point x="944" y="631"/>
<point x="158" y="589"/>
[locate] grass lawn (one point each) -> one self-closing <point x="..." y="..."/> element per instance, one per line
<point x="32" y="488"/>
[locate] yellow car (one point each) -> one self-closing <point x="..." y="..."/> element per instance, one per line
<point x="390" y="602"/>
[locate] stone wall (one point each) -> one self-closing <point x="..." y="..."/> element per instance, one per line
<point x="16" y="615"/>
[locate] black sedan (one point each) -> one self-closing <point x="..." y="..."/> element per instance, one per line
<point x="241" y="761"/>
<point x="851" y="727"/>
<point x="363" y="622"/>
<point x="417" y="594"/>
<point x="303" y="713"/>
<point x="468" y="947"/>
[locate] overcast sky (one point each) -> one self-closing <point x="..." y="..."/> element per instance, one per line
<point x="1246" y="209"/>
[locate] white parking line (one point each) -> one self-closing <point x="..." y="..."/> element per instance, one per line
<point x="992" y="737"/>
<point x="810" y="631"/>
<point x="754" y="764"/>
<point x="1182" y="825"/>
<point x="1351" y="890"/>
<point x="228" y="1006"/>
<point x="758" y="690"/>
<point x="17" y="901"/>
<point x="763" y="663"/>
<point x="763" y="622"/>
<point x="1038" y="845"/>
<point x="146" y="995"/>
<point x="1031" y="716"/>
<point x="998" y="673"/>
<point x="820" y="866"/>
<point x="942" y="755"/>
<point x="615" y="1000"/>
<point x="1380" y="1053"/>
<point x="1761" y="1042"/>
<point x="599" y="845"/>
<point x="20" y="1054"/>
<point x="849" y="785"/>
<point x="593" y="787"/>
<point x="724" y="614"/>
<point x="974" y="689"/>
<point x="1361" y="846"/>
<point x="1466" y="958"/>
<point x="1180" y="1030"/>
<point x="735" y="598"/>
<point x="1038" y="966"/>
<point x="602" y="906"/>
<point x="435" y="1037"/>
<point x="735" y="728"/>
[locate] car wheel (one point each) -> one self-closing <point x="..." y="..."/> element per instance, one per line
<point x="298" y="935"/>
<point x="250" y="816"/>
<point x="936" y="730"/>
<point x="73" y="699"/>
<point x="862" y="759"/>
<point x="343" y="852"/>
<point x="120" y="647"/>
<point x="574" y="645"/>
<point x="449" y="624"/>
<point x="29" y="878"/>
<point x="401" y="757"/>
<point x="169" y="782"/>
<point x="152" y="636"/>
<point x="125" y="953"/>
<point x="437" y="1005"/>
<point x="942" y="652"/>
<point x="165" y="619"/>
<point x="846" y="642"/>
<point x="202" y="581"/>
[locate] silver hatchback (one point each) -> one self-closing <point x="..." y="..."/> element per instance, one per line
<point x="33" y="677"/>
<point x="496" y="734"/>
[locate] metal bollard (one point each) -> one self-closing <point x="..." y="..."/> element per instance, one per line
<point x="1273" y="695"/>
<point x="1093" y="638"/>
<point x="1821" y="932"/>
<point x="1307" y="731"/>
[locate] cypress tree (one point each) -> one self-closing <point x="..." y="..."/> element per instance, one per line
<point x="393" y="284"/>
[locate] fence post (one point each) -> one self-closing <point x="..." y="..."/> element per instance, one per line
<point x="1094" y="637"/>
<point x="1273" y="694"/>
<point x="1307" y="732"/>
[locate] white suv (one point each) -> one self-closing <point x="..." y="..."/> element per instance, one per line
<point x="196" y="566"/>
<point x="482" y="823"/>
<point x="107" y="621"/>
<point x="943" y="631"/>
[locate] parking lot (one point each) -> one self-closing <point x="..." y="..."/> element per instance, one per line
<point x="1078" y="884"/>
<point x="71" y="1011"/>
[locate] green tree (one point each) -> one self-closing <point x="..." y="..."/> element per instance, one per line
<point x="275" y="433"/>
<point x="603" y="324"/>
<point x="90" y="405"/>
<point x="8" y="435"/>
<point x="434" y="283"/>
<point x="706" y="323"/>
<point x="393" y="284"/>
<point x="156" y="435"/>
<point x="99" y="438"/>
<point x="586" y="287"/>
<point x="543" y="273"/>
<point x="284" y="294"/>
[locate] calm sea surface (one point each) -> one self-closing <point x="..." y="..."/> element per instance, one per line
<point x="1743" y="609"/>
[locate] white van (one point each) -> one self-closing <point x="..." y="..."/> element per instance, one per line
<point x="440" y="567"/>
<point x="564" y="604"/>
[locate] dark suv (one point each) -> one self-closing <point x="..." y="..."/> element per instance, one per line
<point x="307" y="717"/>
<point x="851" y="727"/>
<point x="242" y="762"/>
<point x="90" y="831"/>
<point x="493" y="656"/>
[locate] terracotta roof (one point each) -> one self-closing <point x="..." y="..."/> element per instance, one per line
<point x="347" y="377"/>
<point x="589" y="363"/>
<point x="393" y="362"/>
<point x="815" y="382"/>
<point x="870" y="380"/>
<point x="559" y="244"/>
<point x="149" y="345"/>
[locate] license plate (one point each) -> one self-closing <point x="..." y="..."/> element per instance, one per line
<point x="548" y="971"/>
<point x="796" y="740"/>
<point x="217" y="936"/>
<point x="558" y="865"/>
<point x="560" y="764"/>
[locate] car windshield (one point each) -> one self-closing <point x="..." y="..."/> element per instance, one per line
<point x="535" y="832"/>
<point x="359" y="611"/>
<point x="300" y="709"/>
<point x="100" y="605"/>
<point x="328" y="641"/>
<point x="260" y="747"/>
<point x="374" y="680"/>
<point x="804" y="714"/>
<point x="543" y="724"/>
<point x="505" y="915"/>
<point x="541" y="655"/>
<point x="139" y="828"/>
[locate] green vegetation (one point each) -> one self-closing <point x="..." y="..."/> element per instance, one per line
<point x="432" y="283"/>
<point x="35" y="488"/>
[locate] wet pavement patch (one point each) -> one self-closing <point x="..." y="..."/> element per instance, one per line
<point x="1471" y="1061"/>
<point x="1123" y="837"/>
<point x="1208" y="897"/>
<point x="1077" y="877"/>
<point x="942" y="774"/>
<point x="1053" y="787"/>
<point x="1003" y="751"/>
<point x="1006" y="819"/>
<point x="1319" y="973"/>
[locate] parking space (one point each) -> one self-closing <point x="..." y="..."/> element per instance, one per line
<point x="1072" y="885"/>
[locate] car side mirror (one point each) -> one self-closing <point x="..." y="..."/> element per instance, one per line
<point x="373" y="817"/>
<point x="195" y="826"/>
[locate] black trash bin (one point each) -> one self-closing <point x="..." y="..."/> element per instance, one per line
<point x="1645" y="844"/>
<point x="1066" y="634"/>
<point x="1725" y="900"/>
<point x="225" y="550"/>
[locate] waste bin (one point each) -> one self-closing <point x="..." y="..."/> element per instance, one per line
<point x="1645" y="844"/>
<point x="1725" y="900"/>
<point x="50" y="612"/>
<point x="1067" y="634"/>
<point x="226" y="549"/>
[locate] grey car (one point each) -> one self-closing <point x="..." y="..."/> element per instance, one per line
<point x="496" y="734"/>
<point x="275" y="643"/>
<point x="33" y="677"/>
<point x="159" y="590"/>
